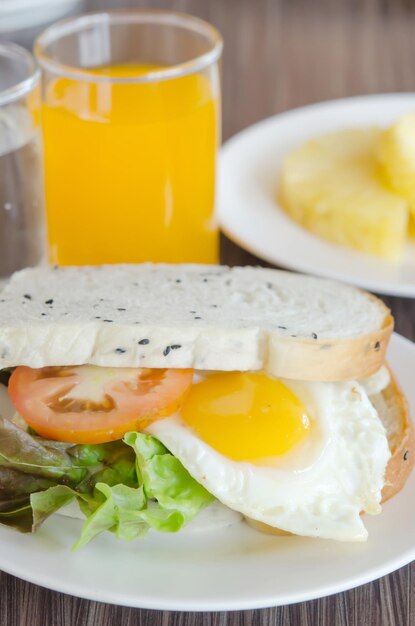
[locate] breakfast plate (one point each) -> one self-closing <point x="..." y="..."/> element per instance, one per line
<point x="221" y="565"/>
<point x="248" y="180"/>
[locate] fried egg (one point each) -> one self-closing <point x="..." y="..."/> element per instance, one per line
<point x="305" y="457"/>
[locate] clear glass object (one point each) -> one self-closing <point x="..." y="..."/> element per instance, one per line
<point x="21" y="180"/>
<point x="131" y="123"/>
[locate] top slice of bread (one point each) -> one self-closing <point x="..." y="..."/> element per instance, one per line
<point x="206" y="317"/>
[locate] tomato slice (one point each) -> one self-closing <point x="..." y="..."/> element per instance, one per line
<point x="89" y="404"/>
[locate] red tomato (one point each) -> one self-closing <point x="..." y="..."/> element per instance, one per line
<point x="89" y="404"/>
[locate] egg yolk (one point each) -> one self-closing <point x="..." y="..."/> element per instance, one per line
<point x="245" y="416"/>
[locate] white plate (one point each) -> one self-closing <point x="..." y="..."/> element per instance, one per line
<point x="248" y="179"/>
<point x="224" y="569"/>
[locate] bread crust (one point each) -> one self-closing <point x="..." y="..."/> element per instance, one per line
<point x="307" y="359"/>
<point x="403" y="445"/>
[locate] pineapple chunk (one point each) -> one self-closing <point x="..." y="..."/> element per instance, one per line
<point x="396" y="155"/>
<point x="332" y="186"/>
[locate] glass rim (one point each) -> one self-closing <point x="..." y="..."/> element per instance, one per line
<point x="73" y="25"/>
<point x="22" y="87"/>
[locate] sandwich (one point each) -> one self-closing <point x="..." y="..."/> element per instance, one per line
<point x="144" y="394"/>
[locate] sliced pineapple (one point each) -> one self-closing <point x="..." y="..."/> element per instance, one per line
<point x="396" y="155"/>
<point x="332" y="186"/>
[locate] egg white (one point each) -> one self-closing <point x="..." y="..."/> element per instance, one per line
<point x="317" y="489"/>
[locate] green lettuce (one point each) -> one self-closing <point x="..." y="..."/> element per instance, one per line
<point x="164" y="478"/>
<point x="166" y="496"/>
<point x="125" y="487"/>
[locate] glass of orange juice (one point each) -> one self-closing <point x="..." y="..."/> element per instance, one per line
<point x="131" y="125"/>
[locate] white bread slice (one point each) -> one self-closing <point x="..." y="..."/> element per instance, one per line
<point x="206" y="317"/>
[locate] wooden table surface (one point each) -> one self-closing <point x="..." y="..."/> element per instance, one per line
<point x="278" y="55"/>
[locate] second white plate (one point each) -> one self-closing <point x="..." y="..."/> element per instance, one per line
<point x="248" y="180"/>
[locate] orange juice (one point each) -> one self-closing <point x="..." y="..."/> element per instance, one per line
<point x="130" y="169"/>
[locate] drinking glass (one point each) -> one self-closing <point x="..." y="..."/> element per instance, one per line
<point x="21" y="184"/>
<point x="131" y="125"/>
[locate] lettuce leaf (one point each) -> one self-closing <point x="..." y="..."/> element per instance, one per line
<point x="15" y="490"/>
<point x="166" y="497"/>
<point x="125" y="487"/>
<point x="28" y="465"/>
<point x="164" y="477"/>
<point x="44" y="503"/>
<point x="36" y="456"/>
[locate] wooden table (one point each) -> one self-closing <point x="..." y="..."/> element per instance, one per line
<point x="277" y="55"/>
